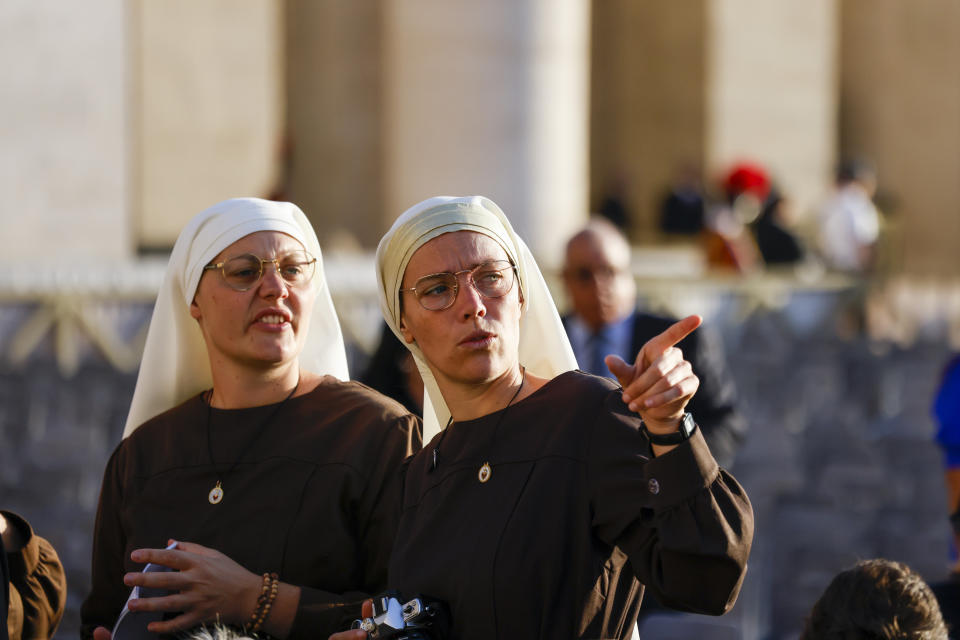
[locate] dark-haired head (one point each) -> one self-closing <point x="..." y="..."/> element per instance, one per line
<point x="876" y="600"/>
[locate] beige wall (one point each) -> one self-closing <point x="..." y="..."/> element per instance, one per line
<point x="207" y="107"/>
<point x="901" y="108"/>
<point x="334" y="115"/>
<point x="63" y="123"/>
<point x="647" y="99"/>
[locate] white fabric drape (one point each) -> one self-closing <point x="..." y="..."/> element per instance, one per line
<point x="544" y="348"/>
<point x="175" y="364"/>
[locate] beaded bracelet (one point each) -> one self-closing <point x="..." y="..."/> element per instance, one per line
<point x="268" y="593"/>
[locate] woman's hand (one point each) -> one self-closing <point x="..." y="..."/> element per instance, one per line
<point x="356" y="634"/>
<point x="660" y="383"/>
<point x="208" y="587"/>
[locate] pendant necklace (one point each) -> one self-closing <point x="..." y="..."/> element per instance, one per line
<point x="216" y="494"/>
<point x="486" y="470"/>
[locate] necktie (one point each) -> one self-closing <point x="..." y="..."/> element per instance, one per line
<point x="599" y="348"/>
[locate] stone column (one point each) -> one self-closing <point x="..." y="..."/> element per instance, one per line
<point x="63" y="121"/>
<point x="901" y="97"/>
<point x="490" y="98"/>
<point x="208" y="107"/>
<point x="772" y="91"/>
<point x="334" y="105"/>
<point x="647" y="95"/>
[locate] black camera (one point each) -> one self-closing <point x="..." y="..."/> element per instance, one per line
<point x="397" y="618"/>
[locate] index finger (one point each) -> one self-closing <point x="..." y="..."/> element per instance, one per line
<point x="172" y="558"/>
<point x="674" y="334"/>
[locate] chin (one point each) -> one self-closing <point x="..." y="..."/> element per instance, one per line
<point x="480" y="372"/>
<point x="274" y="355"/>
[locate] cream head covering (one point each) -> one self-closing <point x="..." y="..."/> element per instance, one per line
<point x="175" y="364"/>
<point x="544" y="348"/>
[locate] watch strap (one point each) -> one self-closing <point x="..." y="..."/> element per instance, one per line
<point x="686" y="428"/>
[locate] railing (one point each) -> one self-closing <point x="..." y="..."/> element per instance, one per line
<point x="105" y="308"/>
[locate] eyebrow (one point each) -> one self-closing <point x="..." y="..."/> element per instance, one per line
<point x="473" y="266"/>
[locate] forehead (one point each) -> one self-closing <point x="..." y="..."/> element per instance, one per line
<point x="452" y="252"/>
<point x="265" y="244"/>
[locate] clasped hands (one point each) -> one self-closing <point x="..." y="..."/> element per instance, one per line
<point x="660" y="382"/>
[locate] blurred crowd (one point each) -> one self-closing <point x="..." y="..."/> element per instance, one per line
<point x="745" y="221"/>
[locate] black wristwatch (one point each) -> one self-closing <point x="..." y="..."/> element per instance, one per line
<point x="687" y="427"/>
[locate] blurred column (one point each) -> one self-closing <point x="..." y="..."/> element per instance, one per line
<point x="901" y="100"/>
<point x="63" y="122"/>
<point x="208" y="107"/>
<point x="648" y="88"/>
<point x="334" y="117"/>
<point x="772" y="90"/>
<point x="490" y="98"/>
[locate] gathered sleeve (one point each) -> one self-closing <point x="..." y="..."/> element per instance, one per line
<point x="685" y="523"/>
<point x="39" y="587"/>
<point x="377" y="517"/>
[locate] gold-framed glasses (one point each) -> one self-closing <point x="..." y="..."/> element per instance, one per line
<point x="438" y="291"/>
<point x="243" y="272"/>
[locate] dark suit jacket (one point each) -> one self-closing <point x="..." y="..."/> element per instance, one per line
<point x="714" y="404"/>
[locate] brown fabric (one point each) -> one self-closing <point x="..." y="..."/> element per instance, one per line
<point x="574" y="514"/>
<point x="316" y="497"/>
<point x="38" y="587"/>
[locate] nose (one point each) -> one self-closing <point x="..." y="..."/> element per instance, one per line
<point x="271" y="284"/>
<point x="470" y="301"/>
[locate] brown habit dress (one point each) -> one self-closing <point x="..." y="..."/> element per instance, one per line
<point x="573" y="519"/>
<point x="315" y="497"/>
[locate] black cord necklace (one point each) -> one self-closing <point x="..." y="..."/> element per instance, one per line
<point x="216" y="494"/>
<point x="486" y="470"/>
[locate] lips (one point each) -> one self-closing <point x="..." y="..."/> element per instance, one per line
<point x="477" y="339"/>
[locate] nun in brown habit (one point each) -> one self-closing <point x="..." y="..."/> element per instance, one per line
<point x="551" y="499"/>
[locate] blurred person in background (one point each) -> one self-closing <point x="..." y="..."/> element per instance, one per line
<point x="683" y="209"/>
<point x="876" y="600"/>
<point x="727" y="242"/>
<point x="244" y="436"/>
<point x="946" y="414"/>
<point x="849" y="221"/>
<point x="34" y="586"/>
<point x="605" y="320"/>
<point x="778" y="245"/>
<point x="392" y="372"/>
<point x="613" y="205"/>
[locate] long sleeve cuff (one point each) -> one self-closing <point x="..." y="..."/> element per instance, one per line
<point x="680" y="474"/>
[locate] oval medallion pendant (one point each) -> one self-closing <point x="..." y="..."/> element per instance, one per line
<point x="484" y="474"/>
<point x="216" y="494"/>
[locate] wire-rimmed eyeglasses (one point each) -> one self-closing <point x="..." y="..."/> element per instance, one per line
<point x="438" y="291"/>
<point x="244" y="271"/>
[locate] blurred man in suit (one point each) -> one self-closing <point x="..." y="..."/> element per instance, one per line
<point x="604" y="320"/>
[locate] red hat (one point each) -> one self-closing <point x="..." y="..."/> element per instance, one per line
<point x="746" y="177"/>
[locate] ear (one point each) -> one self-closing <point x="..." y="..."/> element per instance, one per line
<point x="195" y="310"/>
<point x="407" y="335"/>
